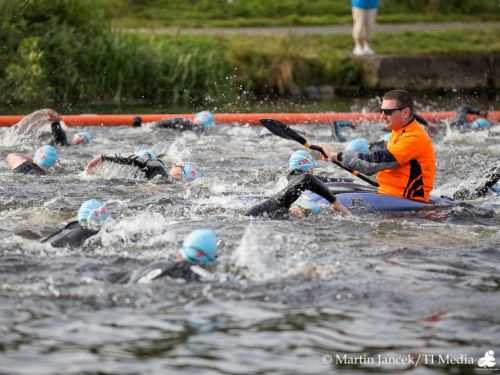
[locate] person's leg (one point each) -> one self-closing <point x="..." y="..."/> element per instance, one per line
<point x="369" y="19"/>
<point x="357" y="30"/>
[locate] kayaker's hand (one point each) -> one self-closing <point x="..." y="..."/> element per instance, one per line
<point x="93" y="164"/>
<point x="330" y="152"/>
<point x="337" y="206"/>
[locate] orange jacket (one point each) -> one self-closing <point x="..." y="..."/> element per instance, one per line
<point x="412" y="147"/>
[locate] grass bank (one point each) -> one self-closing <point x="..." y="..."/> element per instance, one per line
<point x="237" y="13"/>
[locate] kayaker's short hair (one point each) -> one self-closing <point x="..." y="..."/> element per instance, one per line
<point x="403" y="98"/>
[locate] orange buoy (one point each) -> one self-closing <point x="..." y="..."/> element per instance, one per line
<point x="236" y="118"/>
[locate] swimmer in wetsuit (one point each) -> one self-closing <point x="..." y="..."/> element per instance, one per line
<point x="198" y="252"/>
<point x="300" y="178"/>
<point x="91" y="216"/>
<point x="462" y="124"/>
<point x="45" y="157"/>
<point x="201" y="121"/>
<point x="148" y="164"/>
<point x="60" y="138"/>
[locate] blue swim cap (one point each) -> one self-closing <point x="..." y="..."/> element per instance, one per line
<point x="307" y="204"/>
<point x="45" y="156"/>
<point x="496" y="188"/>
<point x="189" y="173"/>
<point x="480" y="123"/>
<point x="301" y="161"/>
<point x="85" y="135"/>
<point x="200" y="247"/>
<point x="205" y="119"/>
<point x="146" y="154"/>
<point x="358" y="145"/>
<point x="92" y="213"/>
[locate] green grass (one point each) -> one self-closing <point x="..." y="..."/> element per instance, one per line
<point x="253" y="13"/>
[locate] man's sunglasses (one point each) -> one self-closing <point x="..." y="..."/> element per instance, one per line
<point x="390" y="111"/>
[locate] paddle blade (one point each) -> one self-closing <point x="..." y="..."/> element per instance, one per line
<point x="281" y="130"/>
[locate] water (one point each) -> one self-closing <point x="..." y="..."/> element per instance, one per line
<point x="291" y="296"/>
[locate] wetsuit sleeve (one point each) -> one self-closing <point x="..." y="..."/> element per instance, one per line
<point x="369" y="163"/>
<point x="482" y="189"/>
<point x="58" y="134"/>
<point x="72" y="235"/>
<point x="176" y="123"/>
<point x="295" y="188"/>
<point x="157" y="270"/>
<point x="126" y="160"/>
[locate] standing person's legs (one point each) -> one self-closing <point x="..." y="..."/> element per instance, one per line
<point x="370" y="17"/>
<point x="358" y="30"/>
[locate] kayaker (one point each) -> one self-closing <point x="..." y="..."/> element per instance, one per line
<point x="300" y="178"/>
<point x="202" y="121"/>
<point x="148" y="164"/>
<point x="406" y="166"/>
<point x="44" y="158"/>
<point x="488" y="184"/>
<point x="192" y="263"/>
<point x="479" y="121"/>
<point x="92" y="214"/>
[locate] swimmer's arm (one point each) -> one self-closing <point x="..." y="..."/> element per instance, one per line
<point x="126" y="160"/>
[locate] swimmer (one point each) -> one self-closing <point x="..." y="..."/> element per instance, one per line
<point x="148" y="164"/>
<point x="192" y="263"/>
<point x="60" y="138"/>
<point x="45" y="157"/>
<point x="479" y="121"/>
<point x="202" y="121"/>
<point x="300" y="178"/>
<point x="92" y="215"/>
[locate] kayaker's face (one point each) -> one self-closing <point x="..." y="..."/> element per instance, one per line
<point x="394" y="115"/>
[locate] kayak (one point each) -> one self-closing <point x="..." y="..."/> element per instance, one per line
<point x="362" y="197"/>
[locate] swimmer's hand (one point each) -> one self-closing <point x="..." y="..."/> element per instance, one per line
<point x="337" y="206"/>
<point x="93" y="164"/>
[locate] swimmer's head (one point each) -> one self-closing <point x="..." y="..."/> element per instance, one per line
<point x="358" y="145"/>
<point x="93" y="214"/>
<point x="146" y="155"/>
<point x="303" y="207"/>
<point x="480" y="124"/>
<point x="45" y="156"/>
<point x="137" y="122"/>
<point x="81" y="138"/>
<point x="301" y="161"/>
<point x="184" y="172"/>
<point x="205" y="119"/>
<point x="200" y="247"/>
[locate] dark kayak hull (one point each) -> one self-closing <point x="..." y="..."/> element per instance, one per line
<point x="370" y="201"/>
<point x="361" y="197"/>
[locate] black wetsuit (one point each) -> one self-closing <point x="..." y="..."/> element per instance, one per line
<point x="298" y="182"/>
<point x="179" y="123"/>
<point x="492" y="177"/>
<point x="151" y="168"/>
<point x="72" y="235"/>
<point x="460" y="122"/>
<point x="157" y="270"/>
<point x="29" y="167"/>
<point x="59" y="137"/>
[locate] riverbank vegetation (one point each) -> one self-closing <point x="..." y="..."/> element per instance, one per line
<point x="64" y="53"/>
<point x="243" y="13"/>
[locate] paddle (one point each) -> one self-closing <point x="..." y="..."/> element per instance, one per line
<point x="281" y="130"/>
